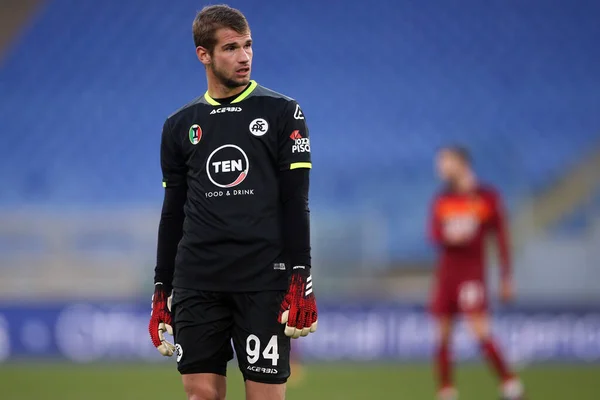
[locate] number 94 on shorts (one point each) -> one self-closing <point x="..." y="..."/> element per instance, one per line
<point x="209" y="325"/>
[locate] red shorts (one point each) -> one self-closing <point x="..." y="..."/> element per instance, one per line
<point x="463" y="296"/>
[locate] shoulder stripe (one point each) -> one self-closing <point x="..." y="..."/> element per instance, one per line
<point x="198" y="100"/>
<point x="300" y="165"/>
<point x="266" y="92"/>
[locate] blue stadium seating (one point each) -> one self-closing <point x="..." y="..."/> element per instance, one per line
<point x="580" y="220"/>
<point x="86" y="88"/>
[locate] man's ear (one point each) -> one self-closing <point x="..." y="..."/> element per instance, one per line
<point x="203" y="55"/>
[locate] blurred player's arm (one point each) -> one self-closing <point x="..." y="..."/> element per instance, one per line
<point x="298" y="309"/>
<point x="170" y="231"/>
<point x="500" y="230"/>
<point x="435" y="225"/>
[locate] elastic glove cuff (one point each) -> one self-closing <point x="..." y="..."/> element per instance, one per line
<point x="167" y="288"/>
<point x="302" y="270"/>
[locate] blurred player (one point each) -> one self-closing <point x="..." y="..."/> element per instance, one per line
<point x="464" y="213"/>
<point x="234" y="235"/>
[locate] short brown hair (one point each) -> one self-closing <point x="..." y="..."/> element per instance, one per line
<point x="462" y="152"/>
<point x="212" y="18"/>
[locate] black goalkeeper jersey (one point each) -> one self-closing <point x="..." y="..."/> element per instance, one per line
<point x="229" y="156"/>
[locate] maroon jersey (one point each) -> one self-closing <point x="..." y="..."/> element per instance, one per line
<point x="475" y="214"/>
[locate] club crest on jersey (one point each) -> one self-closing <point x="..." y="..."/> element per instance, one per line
<point x="195" y="134"/>
<point x="259" y="127"/>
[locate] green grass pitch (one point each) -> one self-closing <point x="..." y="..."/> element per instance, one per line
<point x="321" y="382"/>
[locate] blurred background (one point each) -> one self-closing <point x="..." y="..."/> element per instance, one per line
<point x="86" y="85"/>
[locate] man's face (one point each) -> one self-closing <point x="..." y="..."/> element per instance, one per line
<point x="449" y="165"/>
<point x="231" y="60"/>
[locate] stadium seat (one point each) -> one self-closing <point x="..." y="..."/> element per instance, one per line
<point x="87" y="86"/>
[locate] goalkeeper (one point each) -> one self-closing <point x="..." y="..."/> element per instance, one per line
<point x="234" y="236"/>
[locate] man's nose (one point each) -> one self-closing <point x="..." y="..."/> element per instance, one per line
<point x="244" y="57"/>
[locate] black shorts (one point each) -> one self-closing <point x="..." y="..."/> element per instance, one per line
<point x="205" y="323"/>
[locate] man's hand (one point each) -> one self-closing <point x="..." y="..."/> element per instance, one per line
<point x="299" y="307"/>
<point x="506" y="290"/>
<point x="160" y="321"/>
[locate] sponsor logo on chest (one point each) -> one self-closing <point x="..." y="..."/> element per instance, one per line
<point x="227" y="167"/>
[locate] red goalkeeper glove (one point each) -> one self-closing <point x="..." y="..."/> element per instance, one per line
<point x="160" y="321"/>
<point x="299" y="307"/>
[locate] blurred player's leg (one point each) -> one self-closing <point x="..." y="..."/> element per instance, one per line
<point x="204" y="386"/>
<point x="443" y="308"/>
<point x="443" y="359"/>
<point x="511" y="388"/>
<point x="447" y="393"/>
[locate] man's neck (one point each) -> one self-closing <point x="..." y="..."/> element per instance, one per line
<point x="217" y="90"/>
<point x="466" y="183"/>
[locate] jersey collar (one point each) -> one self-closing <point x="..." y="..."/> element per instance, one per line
<point x="241" y="97"/>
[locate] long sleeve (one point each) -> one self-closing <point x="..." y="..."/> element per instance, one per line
<point x="502" y="235"/>
<point x="435" y="225"/>
<point x="170" y="231"/>
<point x="294" y="188"/>
<point x="294" y="164"/>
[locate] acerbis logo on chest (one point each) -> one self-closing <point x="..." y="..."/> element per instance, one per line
<point x="223" y="110"/>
